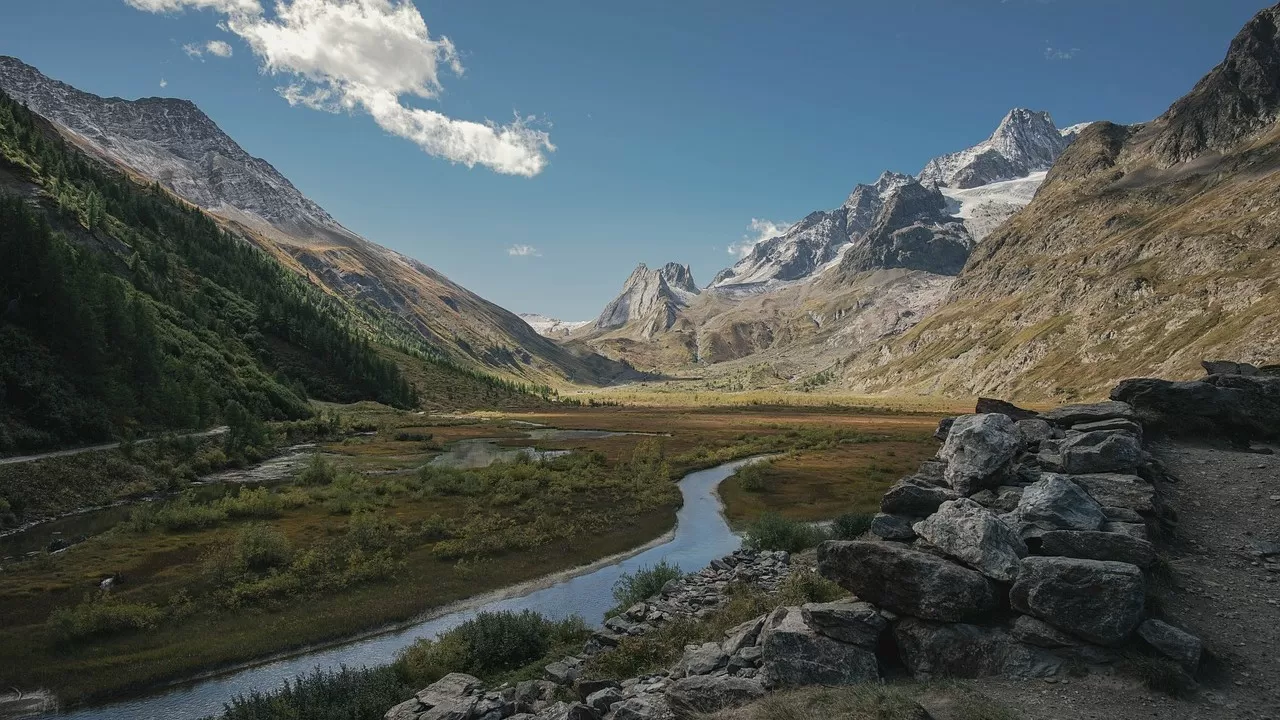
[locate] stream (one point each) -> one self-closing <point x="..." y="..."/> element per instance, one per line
<point x="701" y="535"/>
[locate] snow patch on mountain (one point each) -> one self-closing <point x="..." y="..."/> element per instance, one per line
<point x="1026" y="141"/>
<point x="985" y="207"/>
<point x="551" y="327"/>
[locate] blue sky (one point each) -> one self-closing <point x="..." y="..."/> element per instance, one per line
<point x="674" y="123"/>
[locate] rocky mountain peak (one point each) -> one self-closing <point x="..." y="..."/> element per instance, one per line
<point x="1236" y="99"/>
<point x="1026" y="141"/>
<point x="679" y="277"/>
<point x="650" y="297"/>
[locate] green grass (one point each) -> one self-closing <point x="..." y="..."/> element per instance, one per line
<point x="646" y="582"/>
<point x="774" y="532"/>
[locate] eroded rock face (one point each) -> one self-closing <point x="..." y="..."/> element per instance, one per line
<point x="906" y="581"/>
<point x="701" y="694"/>
<point x="960" y="650"/>
<point x="1099" y="601"/>
<point x="1055" y="503"/>
<point x="972" y="534"/>
<point x="858" y="623"/>
<point x="977" y="448"/>
<point x="1069" y="415"/>
<point x="1119" y="490"/>
<point x="794" y="654"/>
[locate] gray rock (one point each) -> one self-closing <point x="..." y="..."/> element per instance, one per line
<point x="1069" y="415"/>
<point x="641" y="708"/>
<point x="747" y="657"/>
<point x="601" y="700"/>
<point x="530" y="695"/>
<point x="905" y="580"/>
<point x="744" y="635"/>
<point x="1228" y="367"/>
<point x="701" y="660"/>
<point x="1119" y="490"/>
<point x="1137" y="531"/>
<point x="1033" y="431"/>
<point x="1098" y="545"/>
<point x="1119" y="424"/>
<point x="914" y="498"/>
<point x="704" y="694"/>
<point x="1178" y="645"/>
<point x="972" y="534"/>
<point x="407" y="710"/>
<point x="977" y="448"/>
<point x="943" y="429"/>
<point x="858" y="623"/>
<point x="1031" y="631"/>
<point x="1100" y="451"/>
<point x="448" y="698"/>
<point x="568" y="711"/>
<point x="794" y="654"/>
<point x="1121" y="514"/>
<point x="1055" y="503"/>
<point x="893" y="527"/>
<point x="959" y="650"/>
<point x="1097" y="600"/>
<point x="561" y="673"/>
<point x="992" y="405"/>
<point x="586" y="688"/>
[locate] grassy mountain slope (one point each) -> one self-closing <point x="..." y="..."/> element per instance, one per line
<point x="125" y="309"/>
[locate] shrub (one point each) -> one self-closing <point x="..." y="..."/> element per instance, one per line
<point x="318" y="472"/>
<point x="489" y="643"/>
<point x="755" y="477"/>
<point x="344" y="694"/>
<point x="262" y="547"/>
<point x="101" y="614"/>
<point x="174" y="516"/>
<point x="851" y="526"/>
<point x="631" y="588"/>
<point x="375" y="531"/>
<point x="774" y="532"/>
<point x="252" y="503"/>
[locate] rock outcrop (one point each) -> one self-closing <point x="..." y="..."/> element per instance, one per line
<point x="650" y="299"/>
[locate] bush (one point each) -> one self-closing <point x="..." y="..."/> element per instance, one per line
<point x="261" y="547"/>
<point x="101" y="614"/>
<point x="252" y="503"/>
<point x="774" y="532"/>
<point x="755" y="477"/>
<point x="631" y="588"/>
<point x="174" y="516"/>
<point x="851" y="526"/>
<point x="489" y="643"/>
<point x="375" y="531"/>
<point x="346" y="694"/>
<point x="318" y="472"/>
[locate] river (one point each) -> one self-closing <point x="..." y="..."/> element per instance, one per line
<point x="701" y="535"/>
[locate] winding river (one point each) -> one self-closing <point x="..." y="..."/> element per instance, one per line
<point x="701" y="535"/>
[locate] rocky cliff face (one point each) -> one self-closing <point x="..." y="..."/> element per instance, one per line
<point x="649" y="299"/>
<point x="1146" y="249"/>
<point x="914" y="231"/>
<point x="175" y="144"/>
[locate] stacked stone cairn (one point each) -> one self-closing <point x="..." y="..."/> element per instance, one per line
<point x="1024" y="545"/>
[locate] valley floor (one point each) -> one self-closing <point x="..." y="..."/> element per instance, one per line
<point x="180" y="607"/>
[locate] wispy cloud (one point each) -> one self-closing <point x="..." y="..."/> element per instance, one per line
<point x="758" y="231"/>
<point x="164" y="83"/>
<point x="519" y="250"/>
<point x="369" y="55"/>
<point x="1052" y="53"/>
<point x="218" y="48"/>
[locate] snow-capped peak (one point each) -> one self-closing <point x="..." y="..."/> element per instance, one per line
<point x="1026" y="141"/>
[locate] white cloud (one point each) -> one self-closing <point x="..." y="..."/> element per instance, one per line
<point x="757" y="232"/>
<point x="1052" y="53"/>
<point x="164" y="83"/>
<point x="524" y="251"/>
<point x="218" y="48"/>
<point x="367" y="55"/>
<point x="193" y="50"/>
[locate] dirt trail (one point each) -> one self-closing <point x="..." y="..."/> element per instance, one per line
<point x="1224" y="591"/>
<point x="104" y="446"/>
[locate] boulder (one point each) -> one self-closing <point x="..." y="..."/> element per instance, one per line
<point x="649" y="707"/>
<point x="449" y="698"/>
<point x="1097" y="600"/>
<point x="944" y="427"/>
<point x="530" y="695"/>
<point x="792" y="654"/>
<point x="1069" y="415"/>
<point x="1055" y="503"/>
<point x="747" y="657"/>
<point x="960" y="650"/>
<point x="701" y="660"/>
<point x="704" y="694"/>
<point x="1098" y="545"/>
<point x="977" y="449"/>
<point x="568" y="711"/>
<point x="992" y="405"/>
<point x="1033" y="431"/>
<point x="561" y="673"/>
<point x="893" y="527"/>
<point x="744" y="635"/>
<point x="906" y="581"/>
<point x="1137" y="531"/>
<point x="604" y="698"/>
<point x="1031" y="631"/>
<point x="914" y="498"/>
<point x="407" y="710"/>
<point x="858" y="623"/>
<point x="586" y="688"/>
<point x="1227" y="367"/>
<point x="972" y="534"/>
<point x="1113" y="425"/>
<point x="1119" y="490"/>
<point x="1100" y="451"/>
<point x="1178" y="645"/>
<point x="1235" y="406"/>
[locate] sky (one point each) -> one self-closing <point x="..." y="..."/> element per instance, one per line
<point x="535" y="152"/>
